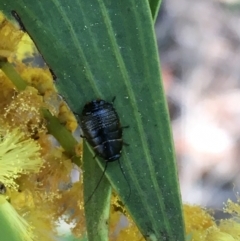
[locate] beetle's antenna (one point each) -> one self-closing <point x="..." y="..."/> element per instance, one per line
<point x="89" y="198"/>
<point x="130" y="190"/>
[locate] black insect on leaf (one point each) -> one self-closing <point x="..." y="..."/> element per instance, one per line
<point x="103" y="131"/>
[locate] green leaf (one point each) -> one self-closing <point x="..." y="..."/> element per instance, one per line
<point x="99" y="202"/>
<point x="11" y="73"/>
<point x="7" y="231"/>
<point x="154" y="6"/>
<point x="106" y="48"/>
<point x="12" y="226"/>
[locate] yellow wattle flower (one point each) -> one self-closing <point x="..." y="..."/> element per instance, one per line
<point x="215" y="234"/>
<point x="17" y="156"/>
<point x="10" y="37"/>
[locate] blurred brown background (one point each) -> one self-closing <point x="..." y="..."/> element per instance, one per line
<point x="199" y="45"/>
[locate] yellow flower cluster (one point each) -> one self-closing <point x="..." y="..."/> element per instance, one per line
<point x="201" y="226"/>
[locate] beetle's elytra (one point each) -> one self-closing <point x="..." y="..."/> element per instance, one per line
<point x="102" y="130"/>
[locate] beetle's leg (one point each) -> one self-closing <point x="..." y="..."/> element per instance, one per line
<point x="125" y="127"/>
<point x="113" y="99"/>
<point x="82" y="136"/>
<point x="125" y="144"/>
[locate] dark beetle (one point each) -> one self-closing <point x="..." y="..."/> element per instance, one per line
<point x="102" y="130"/>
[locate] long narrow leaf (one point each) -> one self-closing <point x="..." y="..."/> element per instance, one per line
<point x="154" y="6"/>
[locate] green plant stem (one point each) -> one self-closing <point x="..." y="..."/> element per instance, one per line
<point x="63" y="136"/>
<point x="12" y="74"/>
